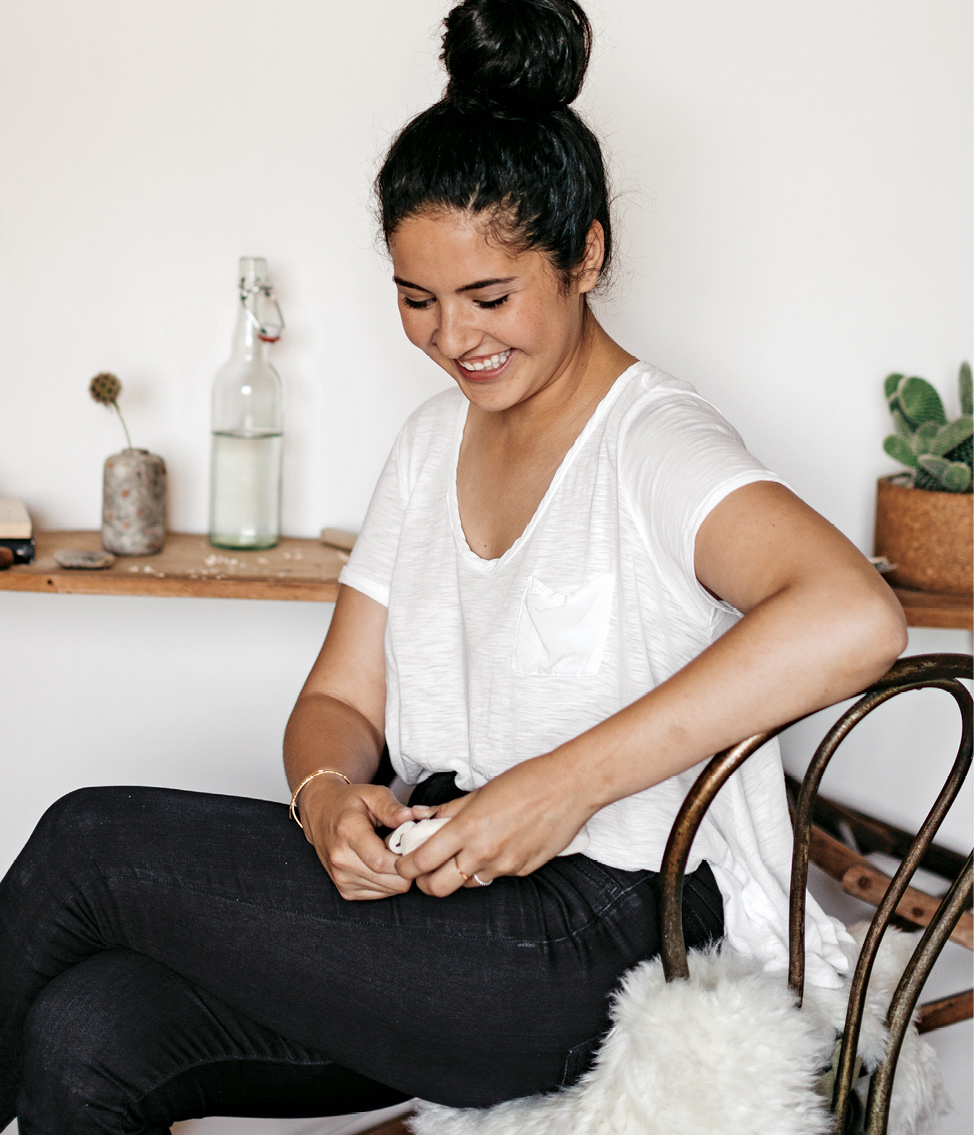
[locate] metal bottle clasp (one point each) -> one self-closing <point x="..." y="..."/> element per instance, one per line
<point x="269" y="332"/>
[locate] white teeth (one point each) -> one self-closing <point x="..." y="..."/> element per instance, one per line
<point x="492" y="363"/>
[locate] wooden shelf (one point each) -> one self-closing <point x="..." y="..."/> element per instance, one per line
<point x="188" y="566"/>
<point x="927" y="609"/>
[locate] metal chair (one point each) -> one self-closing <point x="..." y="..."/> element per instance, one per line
<point x="932" y="671"/>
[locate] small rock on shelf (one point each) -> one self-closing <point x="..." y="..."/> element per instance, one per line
<point x="83" y="560"/>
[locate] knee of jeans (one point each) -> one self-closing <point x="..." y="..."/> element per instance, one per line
<point x="72" y="821"/>
<point x="74" y="1056"/>
<point x="56" y="842"/>
<point x="82" y="811"/>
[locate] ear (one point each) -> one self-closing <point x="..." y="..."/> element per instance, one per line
<point x="587" y="275"/>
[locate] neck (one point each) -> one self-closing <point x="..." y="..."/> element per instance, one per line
<point x="579" y="385"/>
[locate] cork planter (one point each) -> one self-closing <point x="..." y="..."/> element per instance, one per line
<point x="928" y="535"/>
<point x="133" y="519"/>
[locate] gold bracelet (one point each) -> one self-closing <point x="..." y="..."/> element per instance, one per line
<point x="294" y="798"/>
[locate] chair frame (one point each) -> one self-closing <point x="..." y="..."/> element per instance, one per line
<point x="929" y="671"/>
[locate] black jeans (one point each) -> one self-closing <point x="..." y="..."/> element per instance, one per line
<point x="167" y="955"/>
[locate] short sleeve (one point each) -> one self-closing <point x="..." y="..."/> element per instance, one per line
<point x="679" y="458"/>
<point x="369" y="568"/>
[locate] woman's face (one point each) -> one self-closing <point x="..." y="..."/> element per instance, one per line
<point x="499" y="322"/>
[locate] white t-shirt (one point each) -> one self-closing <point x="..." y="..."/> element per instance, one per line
<point x="491" y="662"/>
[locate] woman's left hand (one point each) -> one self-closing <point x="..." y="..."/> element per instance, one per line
<point x="510" y="826"/>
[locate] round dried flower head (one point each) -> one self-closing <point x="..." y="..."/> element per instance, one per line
<point x="105" y="388"/>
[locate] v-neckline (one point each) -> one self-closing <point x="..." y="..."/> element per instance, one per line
<point x="467" y="554"/>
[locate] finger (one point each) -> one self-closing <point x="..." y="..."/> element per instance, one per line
<point x="386" y="810"/>
<point x="444" y="811"/>
<point x="354" y="876"/>
<point x="354" y="851"/>
<point x="431" y="855"/>
<point x="359" y="891"/>
<point x="445" y="880"/>
<point x="370" y="851"/>
<point x="456" y="806"/>
<point x="441" y="845"/>
<point x="354" y="879"/>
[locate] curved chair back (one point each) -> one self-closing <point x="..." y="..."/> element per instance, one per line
<point x="930" y="671"/>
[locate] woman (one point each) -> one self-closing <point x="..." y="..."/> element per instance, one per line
<point x="541" y="618"/>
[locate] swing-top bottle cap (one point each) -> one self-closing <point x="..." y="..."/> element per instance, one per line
<point x="258" y="299"/>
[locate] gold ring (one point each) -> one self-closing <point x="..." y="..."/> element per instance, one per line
<point x="465" y="878"/>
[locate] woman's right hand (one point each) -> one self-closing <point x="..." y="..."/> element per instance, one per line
<point x="339" y="822"/>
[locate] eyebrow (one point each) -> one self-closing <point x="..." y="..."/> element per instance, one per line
<point x="466" y="287"/>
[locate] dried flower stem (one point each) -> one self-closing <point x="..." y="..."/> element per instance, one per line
<point x="124" y="426"/>
<point x="105" y="388"/>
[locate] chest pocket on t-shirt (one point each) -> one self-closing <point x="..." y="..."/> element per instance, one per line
<point x="563" y="633"/>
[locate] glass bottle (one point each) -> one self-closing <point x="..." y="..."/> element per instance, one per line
<point x="248" y="423"/>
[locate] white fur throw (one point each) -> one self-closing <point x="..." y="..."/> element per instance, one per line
<point x="726" y="1053"/>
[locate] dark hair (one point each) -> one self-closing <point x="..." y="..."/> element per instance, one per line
<point x="503" y="140"/>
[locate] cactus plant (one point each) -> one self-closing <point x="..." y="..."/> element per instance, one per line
<point x="938" y="451"/>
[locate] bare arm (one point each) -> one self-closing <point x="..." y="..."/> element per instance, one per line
<point x="819" y="624"/>
<point x="337" y="723"/>
<point x="339" y="716"/>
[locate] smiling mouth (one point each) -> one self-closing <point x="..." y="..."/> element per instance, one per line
<point x="485" y="367"/>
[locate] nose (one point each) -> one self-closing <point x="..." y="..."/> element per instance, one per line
<point x="457" y="333"/>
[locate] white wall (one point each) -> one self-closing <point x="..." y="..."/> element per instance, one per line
<point x="794" y="223"/>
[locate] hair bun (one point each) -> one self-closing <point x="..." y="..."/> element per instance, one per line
<point x="515" y="58"/>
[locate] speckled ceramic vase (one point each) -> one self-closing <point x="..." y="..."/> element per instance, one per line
<point x="133" y="516"/>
